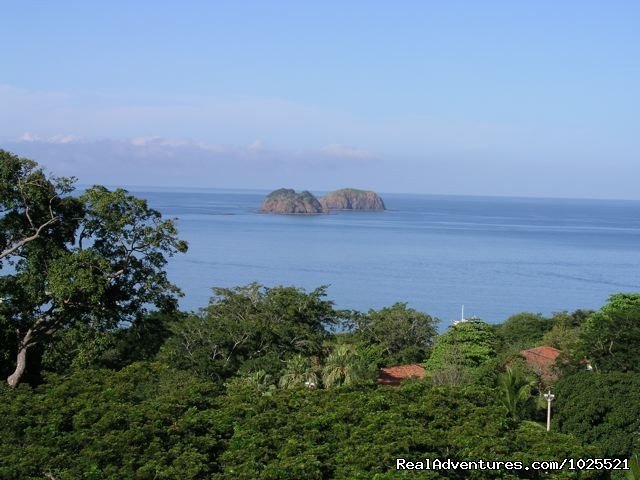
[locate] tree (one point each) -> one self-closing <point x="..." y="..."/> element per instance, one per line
<point x="563" y="337"/>
<point x="533" y="443"/>
<point x="404" y="334"/>
<point x="523" y="330"/>
<point x="149" y="421"/>
<point x="601" y="409"/>
<point x="97" y="259"/>
<point x="466" y="353"/>
<point x="251" y="328"/>
<point x="357" y="433"/>
<point x="346" y="365"/>
<point x="610" y="336"/>
<point x="32" y="206"/>
<point x="450" y="370"/>
<point x="298" y="373"/>
<point x="145" y="421"/>
<point x="81" y="346"/>
<point x="514" y="392"/>
<point x="473" y="342"/>
<point x="258" y="382"/>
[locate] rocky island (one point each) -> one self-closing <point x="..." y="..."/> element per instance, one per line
<point x="352" y="199"/>
<point x="288" y="201"/>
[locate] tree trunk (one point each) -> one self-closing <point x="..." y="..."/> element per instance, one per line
<point x="21" y="360"/>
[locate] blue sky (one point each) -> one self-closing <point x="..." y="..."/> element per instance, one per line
<point x="496" y="98"/>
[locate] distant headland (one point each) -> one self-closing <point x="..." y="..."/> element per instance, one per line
<point x="288" y="201"/>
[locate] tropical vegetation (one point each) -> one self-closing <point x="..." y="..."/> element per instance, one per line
<point x="105" y="378"/>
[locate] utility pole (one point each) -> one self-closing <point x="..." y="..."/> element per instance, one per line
<point x="549" y="398"/>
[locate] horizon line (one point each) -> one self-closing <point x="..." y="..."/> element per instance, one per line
<point x="267" y="190"/>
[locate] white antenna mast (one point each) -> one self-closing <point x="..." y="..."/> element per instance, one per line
<point x="462" y="314"/>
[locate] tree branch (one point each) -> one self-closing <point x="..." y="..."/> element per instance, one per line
<point x="26" y="240"/>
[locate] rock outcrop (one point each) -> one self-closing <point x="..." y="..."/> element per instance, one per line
<point x="352" y="199"/>
<point x="286" y="201"/>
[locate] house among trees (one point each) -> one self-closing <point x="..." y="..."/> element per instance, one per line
<point x="395" y="375"/>
<point x="541" y="360"/>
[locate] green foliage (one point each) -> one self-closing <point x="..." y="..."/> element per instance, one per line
<point x="358" y="434"/>
<point x="610" y="337"/>
<point x="514" y="392"/>
<point x="523" y="330"/>
<point x="140" y="341"/>
<point x="96" y="260"/>
<point x="82" y="346"/>
<point x="35" y="209"/>
<point x="144" y="422"/>
<point x="460" y="354"/>
<point x="601" y="409"/>
<point x="634" y="468"/>
<point x="565" y="333"/>
<point x="403" y="334"/>
<point x="299" y="372"/>
<point x="8" y="346"/>
<point x="474" y="340"/>
<point x="348" y="365"/>
<point x="533" y="443"/>
<point x="253" y="328"/>
<point x="76" y="347"/>
<point x="148" y="421"/>
<point x="256" y="383"/>
<point x="562" y="337"/>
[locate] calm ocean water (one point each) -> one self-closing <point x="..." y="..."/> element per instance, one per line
<point x="497" y="256"/>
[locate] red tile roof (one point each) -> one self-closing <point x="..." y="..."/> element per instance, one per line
<point x="395" y="375"/>
<point x="541" y="360"/>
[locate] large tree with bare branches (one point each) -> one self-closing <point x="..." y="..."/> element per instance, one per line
<point x="97" y="258"/>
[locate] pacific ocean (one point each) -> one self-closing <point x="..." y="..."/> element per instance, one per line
<point x="497" y="256"/>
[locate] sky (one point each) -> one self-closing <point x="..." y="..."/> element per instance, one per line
<point x="459" y="97"/>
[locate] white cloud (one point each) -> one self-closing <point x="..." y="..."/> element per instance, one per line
<point x="32" y="137"/>
<point x="174" y="147"/>
<point x="336" y="133"/>
<point x="29" y="137"/>
<point x="157" y="160"/>
<point x="157" y="141"/>
<point x="257" y="147"/>
<point x="348" y="153"/>
<point x="304" y="146"/>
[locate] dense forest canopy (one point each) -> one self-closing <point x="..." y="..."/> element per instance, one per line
<point x="108" y="379"/>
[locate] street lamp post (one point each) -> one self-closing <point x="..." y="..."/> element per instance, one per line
<point x="549" y="398"/>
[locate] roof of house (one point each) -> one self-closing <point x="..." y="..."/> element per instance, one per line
<point x="395" y="375"/>
<point x="542" y="359"/>
<point x="543" y="355"/>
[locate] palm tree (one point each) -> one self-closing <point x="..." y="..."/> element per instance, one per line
<point x="260" y="380"/>
<point x="298" y="373"/>
<point x="515" y="391"/>
<point x="345" y="366"/>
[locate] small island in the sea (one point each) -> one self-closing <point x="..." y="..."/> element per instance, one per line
<point x="288" y="201"/>
<point x="352" y="199"/>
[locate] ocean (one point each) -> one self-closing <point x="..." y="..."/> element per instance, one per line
<point x="496" y="256"/>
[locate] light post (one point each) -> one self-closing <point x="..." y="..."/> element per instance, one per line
<point x="549" y="398"/>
